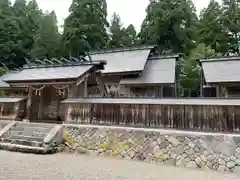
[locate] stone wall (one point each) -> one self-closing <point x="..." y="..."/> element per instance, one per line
<point x="219" y="152"/>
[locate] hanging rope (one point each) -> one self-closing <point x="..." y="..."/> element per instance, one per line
<point x="37" y="90"/>
<point x="61" y="89"/>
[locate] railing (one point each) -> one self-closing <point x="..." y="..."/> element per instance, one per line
<point x="205" y="115"/>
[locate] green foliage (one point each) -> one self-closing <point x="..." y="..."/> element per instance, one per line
<point x="86" y="26"/>
<point x="170" y="24"/>
<point x="120" y="36"/>
<point x="190" y="70"/>
<point x="47" y="41"/>
<point x="211" y="29"/>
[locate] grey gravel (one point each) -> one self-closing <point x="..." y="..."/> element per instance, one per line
<point x="17" y="166"/>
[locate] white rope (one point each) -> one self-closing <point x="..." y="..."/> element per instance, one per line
<point x="37" y="90"/>
<point x="61" y="89"/>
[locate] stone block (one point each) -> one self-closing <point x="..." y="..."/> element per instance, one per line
<point x="230" y="164"/>
<point x="174" y="141"/>
<point x="191" y="164"/>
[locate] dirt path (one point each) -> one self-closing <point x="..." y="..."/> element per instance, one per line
<point x="17" y="166"/>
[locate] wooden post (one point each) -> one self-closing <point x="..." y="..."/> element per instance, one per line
<point x="100" y="86"/>
<point x="161" y="91"/>
<point x="226" y="92"/>
<point x="68" y="113"/>
<point x="86" y="86"/>
<point x="217" y="91"/>
<point x="29" y="104"/>
<point x="16" y="110"/>
<point x="201" y="83"/>
<point x="40" y="107"/>
<point x="2" y="109"/>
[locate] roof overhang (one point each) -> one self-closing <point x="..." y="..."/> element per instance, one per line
<point x="11" y="99"/>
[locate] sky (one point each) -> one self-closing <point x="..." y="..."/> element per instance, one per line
<point x="130" y="11"/>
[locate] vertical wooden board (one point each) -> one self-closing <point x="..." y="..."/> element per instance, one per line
<point x="237" y="111"/>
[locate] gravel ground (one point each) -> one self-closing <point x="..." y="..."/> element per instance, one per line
<point x="17" y="166"/>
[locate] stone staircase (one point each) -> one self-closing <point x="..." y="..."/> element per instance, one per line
<point x="31" y="137"/>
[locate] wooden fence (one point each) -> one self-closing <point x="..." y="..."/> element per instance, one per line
<point x="192" y="116"/>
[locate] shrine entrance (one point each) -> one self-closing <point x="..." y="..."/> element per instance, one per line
<point x="46" y="103"/>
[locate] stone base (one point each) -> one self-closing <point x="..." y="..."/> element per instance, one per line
<point x="207" y="151"/>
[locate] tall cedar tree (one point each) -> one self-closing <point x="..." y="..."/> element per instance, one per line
<point x="86" y="27"/>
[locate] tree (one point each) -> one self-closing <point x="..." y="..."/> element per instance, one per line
<point x="47" y="42"/>
<point x="9" y="30"/>
<point x="190" y="70"/>
<point x="211" y="30"/>
<point x="231" y="21"/>
<point x="170" y="25"/>
<point x="86" y="26"/>
<point x="130" y="35"/>
<point x="119" y="35"/>
<point x="116" y="33"/>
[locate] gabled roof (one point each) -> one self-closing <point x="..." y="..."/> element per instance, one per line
<point x="221" y="69"/>
<point x="50" y="72"/>
<point x="160" y="70"/>
<point x="130" y="60"/>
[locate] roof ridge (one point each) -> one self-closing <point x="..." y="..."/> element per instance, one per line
<point x="62" y="65"/>
<point x="114" y="50"/>
<point x="221" y="58"/>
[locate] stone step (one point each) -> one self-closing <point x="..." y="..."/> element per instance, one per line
<point x="27" y="149"/>
<point x="34" y="125"/>
<point x="23" y="137"/>
<point x="27" y="133"/>
<point x="22" y="142"/>
<point x="27" y="128"/>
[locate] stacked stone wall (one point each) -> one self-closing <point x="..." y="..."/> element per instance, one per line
<point x="218" y="152"/>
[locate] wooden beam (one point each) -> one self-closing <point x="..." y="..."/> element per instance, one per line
<point x="24" y="85"/>
<point x="80" y="80"/>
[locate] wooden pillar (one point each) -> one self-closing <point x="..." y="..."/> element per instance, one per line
<point x="201" y="83"/>
<point x="68" y="113"/>
<point x="29" y="104"/>
<point x="100" y="86"/>
<point x="2" y="109"/>
<point x="217" y="91"/>
<point x="40" y="107"/>
<point x="86" y="86"/>
<point x="161" y="91"/>
<point x="226" y="92"/>
<point x="73" y="91"/>
<point x="16" y="111"/>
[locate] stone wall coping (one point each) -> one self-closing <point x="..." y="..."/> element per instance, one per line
<point x="52" y="134"/>
<point x="162" y="131"/>
<point x="7" y="128"/>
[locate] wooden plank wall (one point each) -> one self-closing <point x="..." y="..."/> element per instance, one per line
<point x="201" y="117"/>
